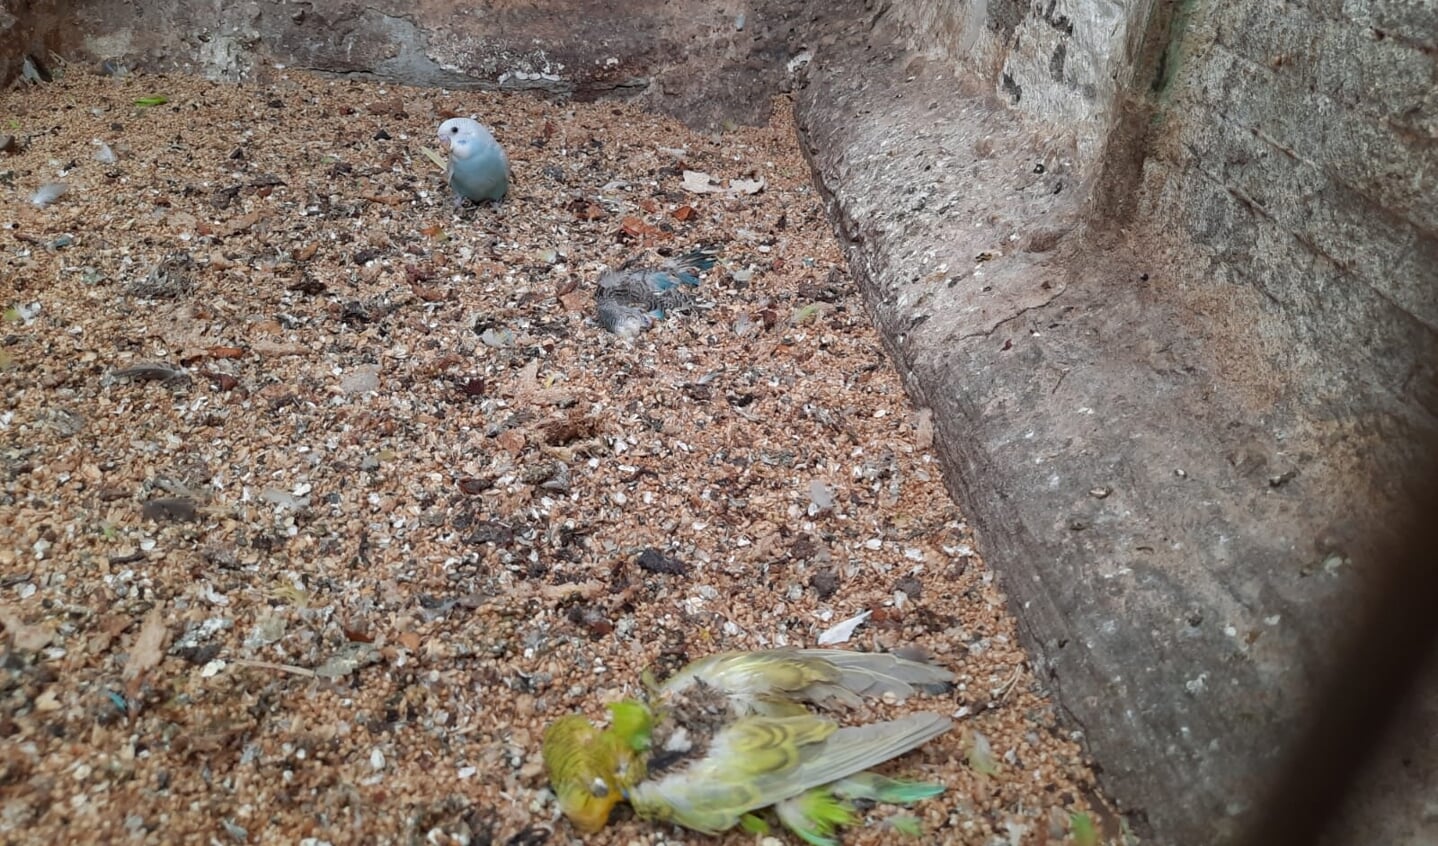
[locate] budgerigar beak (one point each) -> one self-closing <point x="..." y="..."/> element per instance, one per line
<point x="444" y="142"/>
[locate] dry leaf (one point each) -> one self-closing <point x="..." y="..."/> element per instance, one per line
<point x="565" y="285"/>
<point x="393" y="106"/>
<point x="385" y="199"/>
<point x="510" y="441"/>
<point x="149" y="647"/>
<point x="698" y="182"/>
<point x="443" y="363"/>
<point x="240" y="224"/>
<point x="108" y="628"/>
<point x="683" y="213"/>
<point x="636" y="228"/>
<point x="575" y="301"/>
<point x="223" y="381"/>
<point x="25" y="637"/>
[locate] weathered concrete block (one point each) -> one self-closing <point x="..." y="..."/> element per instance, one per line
<point x="1175" y="443"/>
<point x="706" y="61"/>
<point x="1063" y="59"/>
<point x="1412" y="20"/>
<point x="1376" y="75"/>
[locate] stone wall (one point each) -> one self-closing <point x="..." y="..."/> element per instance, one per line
<point x="1166" y="274"/>
<point x="1299" y="150"/>
<point x="707" y="61"/>
<point x="1066" y="63"/>
<point x="1295" y="149"/>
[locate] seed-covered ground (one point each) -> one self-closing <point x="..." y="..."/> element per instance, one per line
<point x="321" y="499"/>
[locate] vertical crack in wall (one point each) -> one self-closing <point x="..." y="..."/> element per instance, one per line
<point x="1137" y="118"/>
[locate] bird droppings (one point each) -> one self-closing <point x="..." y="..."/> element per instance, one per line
<point x="323" y="498"/>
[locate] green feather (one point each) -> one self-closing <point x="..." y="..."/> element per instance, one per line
<point x="907" y="825"/>
<point x="889" y="791"/>
<point x="632" y="722"/>
<point x="1082" y="830"/>
<point x="753" y="824"/>
<point x="816" y="815"/>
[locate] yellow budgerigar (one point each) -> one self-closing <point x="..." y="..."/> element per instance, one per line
<point x="733" y="734"/>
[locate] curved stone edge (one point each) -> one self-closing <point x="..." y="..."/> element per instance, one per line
<point x="1179" y="525"/>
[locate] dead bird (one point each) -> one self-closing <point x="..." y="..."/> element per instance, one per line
<point x="631" y="298"/>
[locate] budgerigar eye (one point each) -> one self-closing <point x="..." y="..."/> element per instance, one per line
<point x="598" y="788"/>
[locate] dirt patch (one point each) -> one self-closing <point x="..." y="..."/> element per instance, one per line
<point x="322" y="499"/>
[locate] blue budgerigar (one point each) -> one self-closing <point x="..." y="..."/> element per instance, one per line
<point x="478" y="169"/>
<point x="631" y="298"/>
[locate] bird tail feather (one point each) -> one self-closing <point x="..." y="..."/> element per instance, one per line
<point x="889" y="791"/>
<point x="701" y="259"/>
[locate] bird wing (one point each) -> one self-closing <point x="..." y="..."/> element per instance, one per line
<point x="646" y="288"/>
<point x="759" y="761"/>
<point x="755" y="679"/>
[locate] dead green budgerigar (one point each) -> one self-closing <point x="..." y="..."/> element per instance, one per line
<point x="733" y="734"/>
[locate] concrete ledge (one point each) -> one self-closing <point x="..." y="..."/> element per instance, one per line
<point x="1176" y="524"/>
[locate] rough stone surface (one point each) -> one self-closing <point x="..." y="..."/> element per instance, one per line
<point x="27" y="27"/>
<point x="1062" y="62"/>
<point x="1295" y="150"/>
<point x="1172" y="381"/>
<point x="706" y="61"/>
<point x="1298" y="151"/>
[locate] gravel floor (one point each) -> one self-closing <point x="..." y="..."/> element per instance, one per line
<point x="321" y="499"/>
